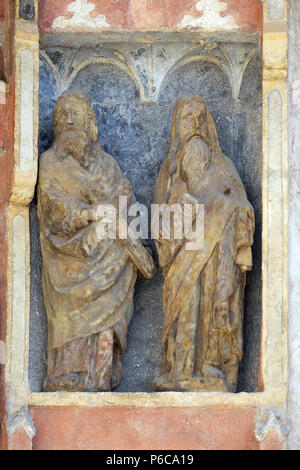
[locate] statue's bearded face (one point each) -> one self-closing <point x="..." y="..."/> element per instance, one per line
<point x="193" y="120"/>
<point x="75" y="129"/>
<point x="74" y="115"/>
<point x="76" y="144"/>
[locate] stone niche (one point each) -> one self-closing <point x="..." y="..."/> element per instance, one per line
<point x="133" y="81"/>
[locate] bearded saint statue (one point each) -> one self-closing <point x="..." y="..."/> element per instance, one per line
<point x="203" y="293"/>
<point x="88" y="281"/>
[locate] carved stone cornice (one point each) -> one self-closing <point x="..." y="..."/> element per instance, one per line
<point x="150" y="58"/>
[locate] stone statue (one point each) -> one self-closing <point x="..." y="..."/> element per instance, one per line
<point x="203" y="291"/>
<point x="88" y="280"/>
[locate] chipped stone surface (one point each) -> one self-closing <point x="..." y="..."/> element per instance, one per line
<point x="271" y="428"/>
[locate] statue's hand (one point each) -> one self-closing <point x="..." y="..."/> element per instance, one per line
<point x="245" y="268"/>
<point x="104" y="212"/>
<point x="92" y="214"/>
<point x="244" y="259"/>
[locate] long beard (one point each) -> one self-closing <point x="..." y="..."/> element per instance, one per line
<point x="195" y="136"/>
<point x="66" y="145"/>
<point x="88" y="158"/>
<point x="182" y="146"/>
<point x="198" y="147"/>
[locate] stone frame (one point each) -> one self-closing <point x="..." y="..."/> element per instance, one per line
<point x="275" y="247"/>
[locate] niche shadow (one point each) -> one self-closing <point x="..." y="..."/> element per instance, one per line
<point x="137" y="136"/>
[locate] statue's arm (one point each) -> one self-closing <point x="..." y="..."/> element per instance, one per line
<point x="58" y="212"/>
<point x="63" y="214"/>
<point x="245" y="224"/>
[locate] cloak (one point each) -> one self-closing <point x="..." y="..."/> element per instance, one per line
<point x="87" y="283"/>
<point x="203" y="289"/>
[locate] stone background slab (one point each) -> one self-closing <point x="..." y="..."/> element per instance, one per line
<point x="137" y="136"/>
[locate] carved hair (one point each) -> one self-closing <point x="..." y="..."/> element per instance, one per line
<point x="85" y="102"/>
<point x="208" y="134"/>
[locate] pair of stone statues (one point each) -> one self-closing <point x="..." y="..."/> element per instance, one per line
<point x="88" y="280"/>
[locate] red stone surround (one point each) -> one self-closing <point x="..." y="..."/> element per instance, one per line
<point x="151" y="14"/>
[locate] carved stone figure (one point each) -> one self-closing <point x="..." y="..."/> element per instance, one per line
<point x="88" y="280"/>
<point x="203" y="291"/>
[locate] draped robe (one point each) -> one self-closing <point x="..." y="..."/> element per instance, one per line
<point x="203" y="291"/>
<point x="87" y="283"/>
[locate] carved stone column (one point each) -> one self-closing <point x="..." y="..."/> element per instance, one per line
<point x="275" y="193"/>
<point x="20" y="427"/>
<point x="294" y="225"/>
